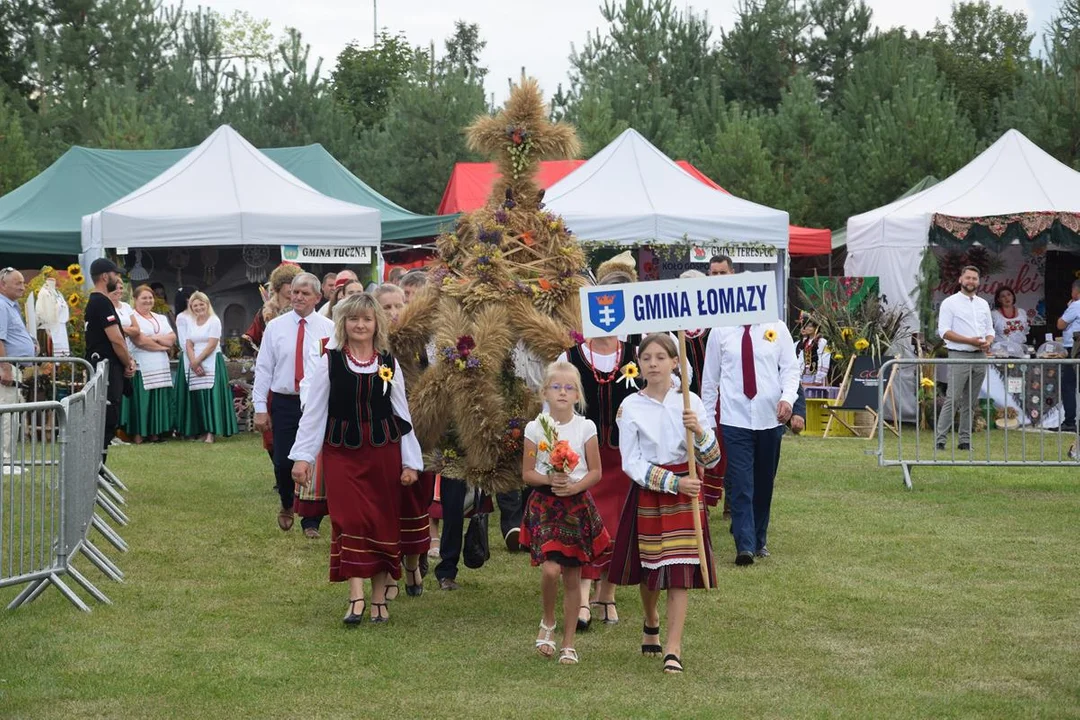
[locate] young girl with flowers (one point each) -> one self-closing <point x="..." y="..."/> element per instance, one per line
<point x="562" y="527"/>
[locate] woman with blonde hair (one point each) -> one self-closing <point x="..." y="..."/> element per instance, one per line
<point x="208" y="408"/>
<point x="148" y="412"/>
<point x="357" y="416"/>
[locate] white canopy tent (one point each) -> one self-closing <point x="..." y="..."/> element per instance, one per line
<point x="632" y="193"/>
<point x="226" y="192"/>
<point x="1011" y="176"/>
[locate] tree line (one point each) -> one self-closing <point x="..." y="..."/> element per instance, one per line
<point x="805" y="107"/>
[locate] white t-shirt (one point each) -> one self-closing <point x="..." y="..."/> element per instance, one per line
<point x="577" y="432"/>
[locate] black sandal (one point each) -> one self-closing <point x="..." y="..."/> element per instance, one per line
<point x="672" y="664"/>
<point x="607" y="615"/>
<point x="583" y="625"/>
<point x="417" y="589"/>
<point x="355" y="618"/>
<point x="380" y="618"/>
<point x="651" y="650"/>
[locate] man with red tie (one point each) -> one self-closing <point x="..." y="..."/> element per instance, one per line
<point x="753" y="371"/>
<point x="287" y="341"/>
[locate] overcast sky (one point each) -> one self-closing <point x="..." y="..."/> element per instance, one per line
<point x="537" y="35"/>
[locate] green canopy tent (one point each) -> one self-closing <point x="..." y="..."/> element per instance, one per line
<point x="44" y="215"/>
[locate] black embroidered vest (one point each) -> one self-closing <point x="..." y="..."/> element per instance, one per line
<point x="359" y="412"/>
<point x="603" y="400"/>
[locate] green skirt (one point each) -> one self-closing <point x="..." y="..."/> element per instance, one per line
<point x="205" y="411"/>
<point x="147" y="412"/>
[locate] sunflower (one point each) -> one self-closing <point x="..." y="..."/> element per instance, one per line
<point x="838" y="356"/>
<point x="74" y="300"/>
<point x="386" y="373"/>
<point x="77" y="278"/>
<point x="74" y="269"/>
<point x="770" y="335"/>
<point x="48" y="270"/>
<point x="927" y="383"/>
<point x="847" y="333"/>
<point x="861" y="344"/>
<point x="630" y="373"/>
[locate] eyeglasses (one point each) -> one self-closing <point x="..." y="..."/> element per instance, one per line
<point x="556" y="387"/>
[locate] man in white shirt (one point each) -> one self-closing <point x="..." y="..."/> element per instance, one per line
<point x="288" y="341"/>
<point x="1069" y="323"/>
<point x="964" y="323"/>
<point x="753" y="370"/>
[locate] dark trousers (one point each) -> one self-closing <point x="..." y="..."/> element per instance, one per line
<point x="511" y="509"/>
<point x="285" y="419"/>
<point x="751" y="471"/>
<point x="114" y="393"/>
<point x="452" y="497"/>
<point x="1068" y="393"/>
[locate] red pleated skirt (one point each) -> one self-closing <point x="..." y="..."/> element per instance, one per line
<point x="656" y="543"/>
<point x="415" y="522"/>
<point x="363" y="494"/>
<point x="712" y="484"/>
<point x="609" y="495"/>
<point x="566" y="530"/>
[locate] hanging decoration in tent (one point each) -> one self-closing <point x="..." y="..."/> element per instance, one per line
<point x="209" y="257"/>
<point x="509" y="270"/>
<point x="178" y="260"/>
<point x="256" y="258"/>
<point x="139" y="273"/>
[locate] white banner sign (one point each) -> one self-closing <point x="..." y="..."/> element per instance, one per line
<point x="668" y="305"/>
<point x="738" y="252"/>
<point x="357" y="255"/>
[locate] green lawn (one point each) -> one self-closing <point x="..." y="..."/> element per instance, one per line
<point x="960" y="598"/>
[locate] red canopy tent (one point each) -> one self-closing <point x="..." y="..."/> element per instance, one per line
<point x="470" y="185"/>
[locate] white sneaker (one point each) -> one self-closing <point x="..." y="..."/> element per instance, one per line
<point x="118" y="441"/>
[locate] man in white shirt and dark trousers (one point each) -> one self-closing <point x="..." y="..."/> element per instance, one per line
<point x="753" y="371"/>
<point x="964" y="323"/>
<point x="287" y="341"/>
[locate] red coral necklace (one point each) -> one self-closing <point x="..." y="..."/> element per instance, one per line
<point x="362" y="363"/>
<point x="604" y="380"/>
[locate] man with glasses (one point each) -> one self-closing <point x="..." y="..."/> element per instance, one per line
<point x="15" y="341"/>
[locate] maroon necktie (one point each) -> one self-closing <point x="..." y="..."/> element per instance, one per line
<point x="749" y="375"/>
<point x="298" y="369"/>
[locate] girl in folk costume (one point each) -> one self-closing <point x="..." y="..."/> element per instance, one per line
<point x="696" y="342"/>
<point x="356" y="415"/>
<point x="148" y="413"/>
<point x="415" y="498"/>
<point x="656" y="547"/>
<point x="608" y="373"/>
<point x="561" y="527"/>
<point x="813" y="355"/>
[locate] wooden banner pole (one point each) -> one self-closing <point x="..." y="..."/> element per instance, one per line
<point x="691" y="460"/>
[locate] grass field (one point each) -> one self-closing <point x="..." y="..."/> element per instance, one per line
<point x="960" y="598"/>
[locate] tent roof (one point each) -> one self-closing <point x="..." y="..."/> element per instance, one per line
<point x="44" y="214"/>
<point x="1011" y="176"/>
<point x="630" y="192"/>
<point x="225" y="192"/>
<point x="470" y="186"/>
<point x="839" y="237"/>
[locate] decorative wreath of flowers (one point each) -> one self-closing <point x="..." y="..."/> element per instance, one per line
<point x="461" y="354"/>
<point x="861" y="344"/>
<point x="386" y="374"/>
<point x="629" y="375"/>
<point x="770" y="335"/>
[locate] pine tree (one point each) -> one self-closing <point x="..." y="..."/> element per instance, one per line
<point x="19" y="161"/>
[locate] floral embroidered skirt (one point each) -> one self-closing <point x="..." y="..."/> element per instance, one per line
<point x="566" y="530"/>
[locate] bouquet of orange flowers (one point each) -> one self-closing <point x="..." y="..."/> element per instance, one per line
<point x="560" y="456"/>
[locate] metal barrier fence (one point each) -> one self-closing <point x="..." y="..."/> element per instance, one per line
<point x="1019" y="422"/>
<point x="52" y="480"/>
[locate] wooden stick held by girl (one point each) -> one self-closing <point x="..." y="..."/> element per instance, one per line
<point x="561" y="527"/>
<point x="656" y="547"/>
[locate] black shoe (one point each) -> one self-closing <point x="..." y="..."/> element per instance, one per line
<point x="1067" y="428"/>
<point x="583" y="625"/>
<point x="672" y="664"/>
<point x="963" y="446"/>
<point x="355" y="618"/>
<point x="744" y="558"/>
<point x="651" y="649"/>
<point x="763" y="552"/>
<point x="940" y="446"/>
<point x="511" y="539"/>
<point x="416" y="589"/>
<point x="379" y="617"/>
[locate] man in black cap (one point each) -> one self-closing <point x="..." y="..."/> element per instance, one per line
<point x="105" y="341"/>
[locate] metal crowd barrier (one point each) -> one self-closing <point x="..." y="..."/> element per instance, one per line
<point x="1017" y="423"/>
<point x="52" y="481"/>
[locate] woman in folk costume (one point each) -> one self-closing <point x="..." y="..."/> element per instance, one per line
<point x="415" y="498"/>
<point x="149" y="412"/>
<point x="607" y="372"/>
<point x="696" y="342"/>
<point x="656" y="547"/>
<point x="812" y="354"/>
<point x="209" y="410"/>
<point x="184" y="318"/>
<point x="357" y="417"/>
<point x="561" y="526"/>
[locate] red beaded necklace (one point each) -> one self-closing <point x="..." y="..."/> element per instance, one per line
<point x="601" y="380"/>
<point x="361" y="363"/>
